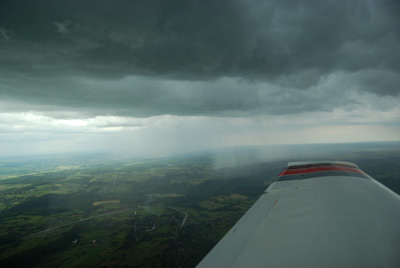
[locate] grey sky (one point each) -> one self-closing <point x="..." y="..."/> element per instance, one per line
<point x="130" y="70"/>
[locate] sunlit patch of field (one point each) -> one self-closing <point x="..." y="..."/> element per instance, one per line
<point x="98" y="203"/>
<point x="5" y="177"/>
<point x="43" y="172"/>
<point x="188" y="181"/>
<point x="67" y="167"/>
<point x="13" y="186"/>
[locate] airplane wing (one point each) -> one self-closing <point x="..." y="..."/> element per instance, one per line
<point x="316" y="214"/>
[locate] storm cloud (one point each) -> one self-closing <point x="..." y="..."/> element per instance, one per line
<point x="289" y="43"/>
<point x="73" y="60"/>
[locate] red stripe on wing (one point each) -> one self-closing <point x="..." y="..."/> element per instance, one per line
<point x="319" y="169"/>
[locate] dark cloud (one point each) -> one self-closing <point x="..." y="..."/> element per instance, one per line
<point x="142" y="97"/>
<point x="81" y="55"/>
<point x="379" y="81"/>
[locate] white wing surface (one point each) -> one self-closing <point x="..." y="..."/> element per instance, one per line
<point x="316" y="214"/>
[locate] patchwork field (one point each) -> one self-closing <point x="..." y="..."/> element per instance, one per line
<point x="159" y="212"/>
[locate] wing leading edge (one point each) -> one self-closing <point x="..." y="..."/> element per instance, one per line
<point x="316" y="214"/>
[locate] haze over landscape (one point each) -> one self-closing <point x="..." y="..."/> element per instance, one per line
<point x="162" y="77"/>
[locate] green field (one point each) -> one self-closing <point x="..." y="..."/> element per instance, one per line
<point x="155" y="212"/>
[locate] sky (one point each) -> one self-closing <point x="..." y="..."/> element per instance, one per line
<point x="159" y="77"/>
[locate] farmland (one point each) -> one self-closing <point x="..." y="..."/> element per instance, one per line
<point x="152" y="212"/>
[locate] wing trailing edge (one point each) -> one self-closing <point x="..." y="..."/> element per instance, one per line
<point x="316" y="214"/>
